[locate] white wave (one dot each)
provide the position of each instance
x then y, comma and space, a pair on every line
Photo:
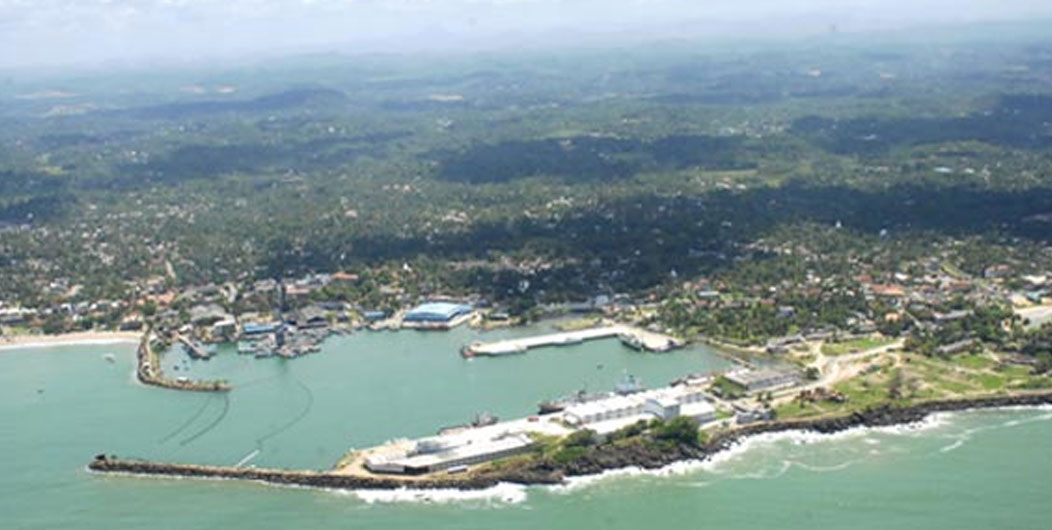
1024, 421
929, 423
716, 462
503, 493
764, 474
576, 483
822, 469
1044, 407
956, 444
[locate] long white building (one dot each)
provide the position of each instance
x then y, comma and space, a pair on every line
444, 452
607, 415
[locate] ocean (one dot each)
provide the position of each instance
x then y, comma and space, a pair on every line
63, 405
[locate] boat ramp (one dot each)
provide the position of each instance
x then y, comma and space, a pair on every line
632, 337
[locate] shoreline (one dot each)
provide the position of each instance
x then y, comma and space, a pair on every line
82, 338
545, 473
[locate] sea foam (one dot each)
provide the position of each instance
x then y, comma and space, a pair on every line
503, 493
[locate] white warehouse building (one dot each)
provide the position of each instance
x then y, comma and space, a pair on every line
610, 414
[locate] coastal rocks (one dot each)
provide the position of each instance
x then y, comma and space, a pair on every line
636, 454
882, 416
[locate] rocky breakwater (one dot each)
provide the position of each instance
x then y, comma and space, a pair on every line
149, 372
313, 479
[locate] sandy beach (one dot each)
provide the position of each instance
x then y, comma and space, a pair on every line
13, 342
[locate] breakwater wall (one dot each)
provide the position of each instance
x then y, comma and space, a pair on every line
148, 371
313, 479
603, 458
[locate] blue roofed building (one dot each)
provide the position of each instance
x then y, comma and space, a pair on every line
437, 314
250, 329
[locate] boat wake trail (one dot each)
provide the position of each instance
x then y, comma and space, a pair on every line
254, 382
210, 426
188, 422
289, 424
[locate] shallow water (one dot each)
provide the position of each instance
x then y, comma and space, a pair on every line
62, 405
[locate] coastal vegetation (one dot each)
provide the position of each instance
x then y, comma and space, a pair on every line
548, 189
909, 378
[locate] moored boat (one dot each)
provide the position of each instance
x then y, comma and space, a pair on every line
632, 341
629, 385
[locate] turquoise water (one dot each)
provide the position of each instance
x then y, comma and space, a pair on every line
62, 405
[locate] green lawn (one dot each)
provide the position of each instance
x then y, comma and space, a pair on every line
851, 346
974, 362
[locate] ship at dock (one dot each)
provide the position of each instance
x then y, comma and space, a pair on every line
632, 341
629, 385
483, 419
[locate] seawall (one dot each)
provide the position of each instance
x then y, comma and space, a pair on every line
313, 479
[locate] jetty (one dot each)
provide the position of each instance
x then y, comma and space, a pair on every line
636, 338
193, 348
149, 372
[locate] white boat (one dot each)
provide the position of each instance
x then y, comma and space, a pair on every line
629, 385
632, 341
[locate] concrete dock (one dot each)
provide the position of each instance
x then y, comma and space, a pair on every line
637, 338
194, 349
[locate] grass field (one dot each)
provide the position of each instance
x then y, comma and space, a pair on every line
856, 345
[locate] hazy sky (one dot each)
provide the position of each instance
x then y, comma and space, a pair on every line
49, 32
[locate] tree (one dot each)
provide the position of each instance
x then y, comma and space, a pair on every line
1044, 362
681, 429
581, 438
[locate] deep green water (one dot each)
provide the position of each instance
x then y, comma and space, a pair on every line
60, 406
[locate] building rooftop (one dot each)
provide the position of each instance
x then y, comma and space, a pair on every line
663, 396
456, 450
437, 311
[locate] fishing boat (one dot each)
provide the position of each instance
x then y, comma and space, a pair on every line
632, 341
559, 405
468, 351
569, 340
484, 419
629, 385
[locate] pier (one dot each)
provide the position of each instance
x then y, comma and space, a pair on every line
148, 371
636, 338
193, 348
